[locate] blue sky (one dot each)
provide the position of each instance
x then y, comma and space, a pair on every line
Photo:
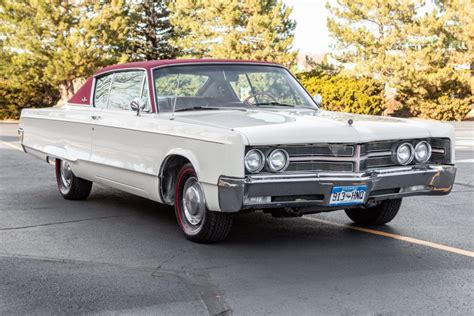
311, 34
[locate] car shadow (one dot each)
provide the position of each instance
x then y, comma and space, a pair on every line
257, 238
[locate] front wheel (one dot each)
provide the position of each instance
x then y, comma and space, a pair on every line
70, 186
376, 215
196, 221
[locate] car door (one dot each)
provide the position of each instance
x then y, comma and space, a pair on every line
120, 143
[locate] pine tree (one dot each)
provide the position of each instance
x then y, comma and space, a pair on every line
412, 46
64, 39
151, 31
370, 33
260, 30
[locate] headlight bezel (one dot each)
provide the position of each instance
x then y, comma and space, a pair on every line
270, 165
428, 156
262, 160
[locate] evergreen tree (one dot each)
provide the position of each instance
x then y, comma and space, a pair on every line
260, 30
65, 40
152, 31
412, 46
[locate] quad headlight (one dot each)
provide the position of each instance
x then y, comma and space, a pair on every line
404, 154
277, 160
422, 152
254, 160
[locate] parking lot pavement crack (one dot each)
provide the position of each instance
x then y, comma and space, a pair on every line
163, 262
464, 185
60, 223
211, 297
72, 261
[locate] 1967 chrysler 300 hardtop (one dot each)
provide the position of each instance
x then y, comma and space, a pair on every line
216, 137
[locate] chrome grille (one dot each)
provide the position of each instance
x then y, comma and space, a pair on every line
440, 154
335, 150
321, 166
353, 157
321, 158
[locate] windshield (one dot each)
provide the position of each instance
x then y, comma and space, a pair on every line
196, 87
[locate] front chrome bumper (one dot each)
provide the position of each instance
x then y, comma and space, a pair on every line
314, 190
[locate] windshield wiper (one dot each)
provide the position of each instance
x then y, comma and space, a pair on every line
273, 104
198, 108
283, 104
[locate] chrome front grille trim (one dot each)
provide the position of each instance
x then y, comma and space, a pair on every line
333, 166
357, 159
341, 158
319, 150
354, 158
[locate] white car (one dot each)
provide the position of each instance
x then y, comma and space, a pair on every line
217, 137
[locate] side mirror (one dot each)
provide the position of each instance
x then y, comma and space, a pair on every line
137, 105
318, 99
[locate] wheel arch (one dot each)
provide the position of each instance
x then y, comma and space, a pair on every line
169, 169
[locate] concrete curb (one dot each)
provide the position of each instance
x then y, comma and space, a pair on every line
9, 121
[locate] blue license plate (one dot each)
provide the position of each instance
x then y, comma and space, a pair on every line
348, 195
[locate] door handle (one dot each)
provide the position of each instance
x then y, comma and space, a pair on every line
96, 117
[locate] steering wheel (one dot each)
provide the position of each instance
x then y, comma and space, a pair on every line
259, 93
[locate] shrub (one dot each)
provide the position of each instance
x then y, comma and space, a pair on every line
446, 109
441, 95
346, 94
18, 93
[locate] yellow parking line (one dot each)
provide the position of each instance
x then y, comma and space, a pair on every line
398, 237
11, 145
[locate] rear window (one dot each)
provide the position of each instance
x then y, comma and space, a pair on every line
101, 93
126, 86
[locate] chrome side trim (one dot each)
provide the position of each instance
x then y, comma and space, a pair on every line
118, 183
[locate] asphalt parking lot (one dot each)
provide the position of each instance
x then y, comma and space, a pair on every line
119, 254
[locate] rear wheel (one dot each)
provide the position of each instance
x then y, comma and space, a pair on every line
70, 186
196, 221
376, 215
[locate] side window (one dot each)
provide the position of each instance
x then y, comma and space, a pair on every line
101, 92
126, 86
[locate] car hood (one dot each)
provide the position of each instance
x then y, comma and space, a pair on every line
301, 126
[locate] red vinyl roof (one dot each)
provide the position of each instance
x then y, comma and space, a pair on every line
84, 93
